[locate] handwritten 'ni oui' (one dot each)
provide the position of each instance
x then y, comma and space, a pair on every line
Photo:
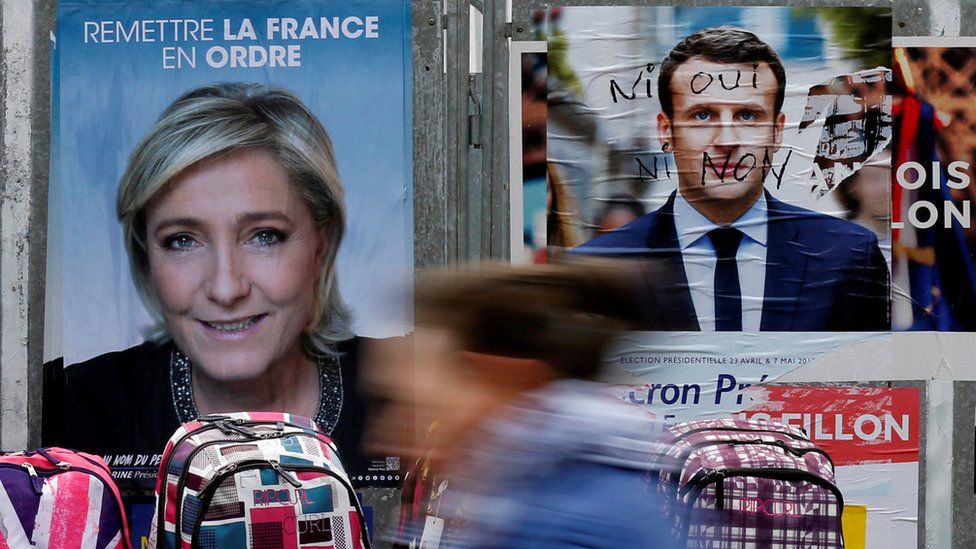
700, 82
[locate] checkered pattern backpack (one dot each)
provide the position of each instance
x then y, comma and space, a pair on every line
254, 479
736, 483
60, 498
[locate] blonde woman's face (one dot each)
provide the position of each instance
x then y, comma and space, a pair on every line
234, 258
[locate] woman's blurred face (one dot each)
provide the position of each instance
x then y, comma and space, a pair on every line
234, 258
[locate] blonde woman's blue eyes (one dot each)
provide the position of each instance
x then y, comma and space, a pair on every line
183, 242
268, 237
179, 242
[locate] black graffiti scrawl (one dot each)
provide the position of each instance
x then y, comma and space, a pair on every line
856, 110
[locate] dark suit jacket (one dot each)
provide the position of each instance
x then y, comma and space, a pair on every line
822, 273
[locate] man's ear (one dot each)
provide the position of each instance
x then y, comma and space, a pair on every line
778, 126
507, 373
664, 131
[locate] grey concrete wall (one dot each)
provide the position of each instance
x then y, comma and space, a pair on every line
963, 496
24, 89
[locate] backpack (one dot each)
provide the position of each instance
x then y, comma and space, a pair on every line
736, 483
54, 497
254, 479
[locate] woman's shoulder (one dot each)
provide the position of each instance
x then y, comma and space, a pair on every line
142, 364
116, 402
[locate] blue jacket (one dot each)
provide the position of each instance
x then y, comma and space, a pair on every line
566, 466
822, 273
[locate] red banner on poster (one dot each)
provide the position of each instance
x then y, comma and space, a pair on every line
854, 425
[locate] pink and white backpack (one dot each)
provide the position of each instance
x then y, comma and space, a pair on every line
735, 483
54, 497
254, 479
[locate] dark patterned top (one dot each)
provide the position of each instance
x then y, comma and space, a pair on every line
330, 390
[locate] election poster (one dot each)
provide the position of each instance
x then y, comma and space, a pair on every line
740, 159
934, 241
711, 144
231, 215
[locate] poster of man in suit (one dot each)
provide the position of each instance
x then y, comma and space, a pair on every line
733, 127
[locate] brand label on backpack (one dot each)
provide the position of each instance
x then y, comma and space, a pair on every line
282, 496
769, 507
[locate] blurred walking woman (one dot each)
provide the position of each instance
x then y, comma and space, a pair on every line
232, 214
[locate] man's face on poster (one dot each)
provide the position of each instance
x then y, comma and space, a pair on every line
720, 137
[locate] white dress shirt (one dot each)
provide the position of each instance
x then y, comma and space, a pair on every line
700, 259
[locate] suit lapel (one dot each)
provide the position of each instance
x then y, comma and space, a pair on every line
664, 273
785, 269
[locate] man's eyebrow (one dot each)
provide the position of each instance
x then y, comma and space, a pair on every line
707, 103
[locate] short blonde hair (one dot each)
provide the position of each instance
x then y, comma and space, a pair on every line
219, 118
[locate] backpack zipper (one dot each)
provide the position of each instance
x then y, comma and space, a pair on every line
32, 473
206, 495
775, 474
797, 452
738, 429
682, 436
787, 449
